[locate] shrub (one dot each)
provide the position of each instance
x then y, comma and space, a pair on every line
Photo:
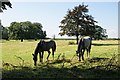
71, 43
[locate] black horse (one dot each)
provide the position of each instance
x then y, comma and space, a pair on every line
84, 43
44, 46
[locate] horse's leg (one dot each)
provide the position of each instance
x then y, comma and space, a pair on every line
48, 55
89, 48
87, 53
42, 55
79, 56
53, 53
83, 54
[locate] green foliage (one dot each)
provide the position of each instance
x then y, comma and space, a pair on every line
5, 33
100, 33
77, 22
24, 30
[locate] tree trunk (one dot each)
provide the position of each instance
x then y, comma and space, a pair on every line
77, 33
77, 39
35, 39
21, 40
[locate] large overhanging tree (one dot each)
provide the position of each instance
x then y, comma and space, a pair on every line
77, 22
3, 4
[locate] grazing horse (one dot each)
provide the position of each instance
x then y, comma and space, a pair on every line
44, 46
84, 44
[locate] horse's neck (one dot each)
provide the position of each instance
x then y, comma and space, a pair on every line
80, 44
36, 50
36, 53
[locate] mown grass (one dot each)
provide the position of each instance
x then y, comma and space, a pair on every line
18, 63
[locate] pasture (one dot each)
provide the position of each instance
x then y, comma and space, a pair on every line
17, 60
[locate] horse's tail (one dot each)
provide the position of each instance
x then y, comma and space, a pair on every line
54, 48
90, 44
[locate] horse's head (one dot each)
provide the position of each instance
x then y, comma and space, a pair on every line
77, 52
34, 59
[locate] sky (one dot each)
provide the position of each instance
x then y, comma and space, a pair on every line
49, 14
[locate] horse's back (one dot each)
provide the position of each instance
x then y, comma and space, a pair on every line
51, 43
87, 41
48, 44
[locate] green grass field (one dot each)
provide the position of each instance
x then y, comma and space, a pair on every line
17, 60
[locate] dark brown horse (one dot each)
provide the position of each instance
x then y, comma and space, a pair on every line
44, 46
84, 44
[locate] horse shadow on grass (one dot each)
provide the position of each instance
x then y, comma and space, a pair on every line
76, 70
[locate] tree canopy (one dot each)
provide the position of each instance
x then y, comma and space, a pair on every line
77, 22
4, 33
24, 30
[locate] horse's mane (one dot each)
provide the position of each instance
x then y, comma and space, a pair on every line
80, 44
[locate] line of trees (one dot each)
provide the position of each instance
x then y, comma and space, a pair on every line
23, 30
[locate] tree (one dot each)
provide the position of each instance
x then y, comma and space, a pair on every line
14, 31
37, 31
26, 30
78, 22
3, 4
5, 33
100, 33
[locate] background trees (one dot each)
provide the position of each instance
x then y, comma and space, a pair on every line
24, 30
100, 33
77, 22
5, 32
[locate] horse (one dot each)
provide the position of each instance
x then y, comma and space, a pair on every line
44, 46
84, 44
